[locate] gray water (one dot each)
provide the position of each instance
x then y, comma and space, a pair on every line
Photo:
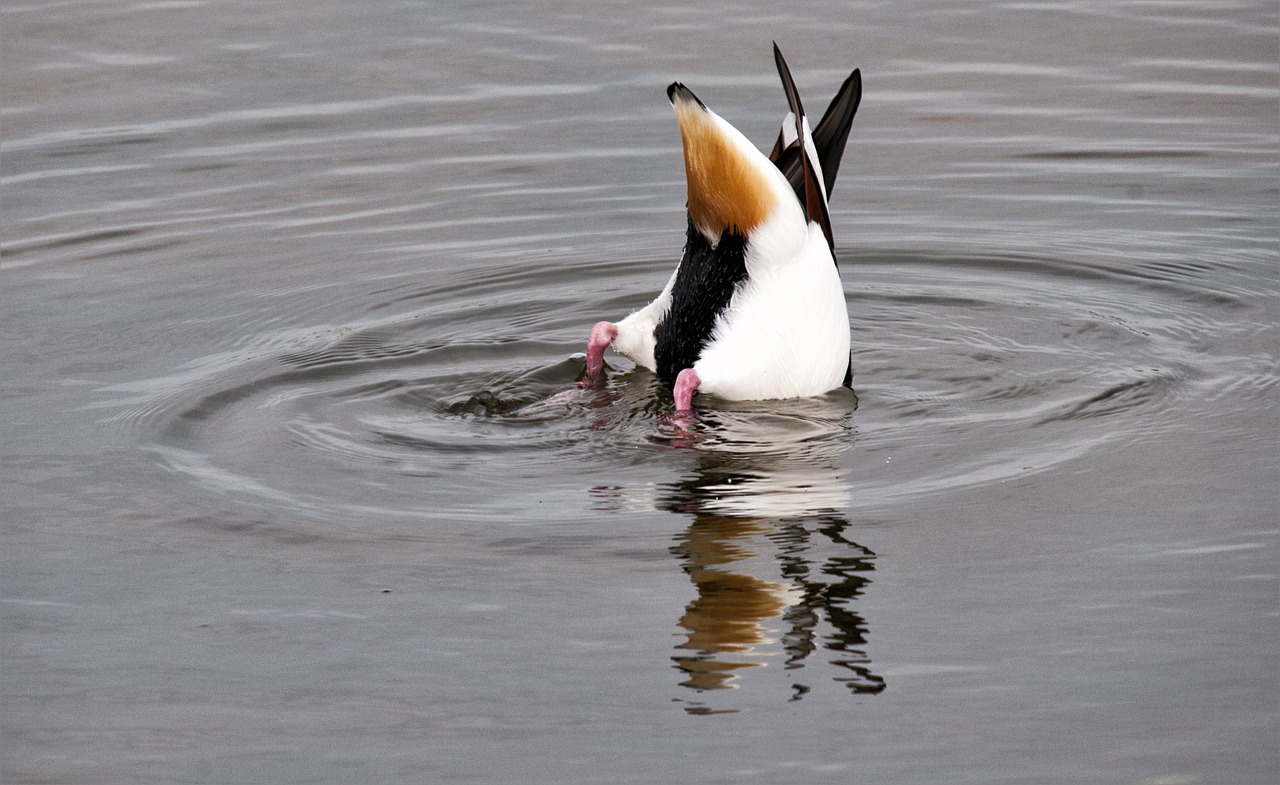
297, 487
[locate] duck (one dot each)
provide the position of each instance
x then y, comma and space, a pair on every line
755, 309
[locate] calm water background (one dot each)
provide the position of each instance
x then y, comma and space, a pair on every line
294, 491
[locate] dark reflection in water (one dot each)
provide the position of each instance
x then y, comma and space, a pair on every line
768, 554
730, 619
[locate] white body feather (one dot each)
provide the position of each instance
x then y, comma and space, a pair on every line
785, 334
635, 339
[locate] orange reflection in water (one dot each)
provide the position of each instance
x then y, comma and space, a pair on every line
728, 613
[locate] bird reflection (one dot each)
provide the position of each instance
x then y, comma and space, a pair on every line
766, 550
729, 618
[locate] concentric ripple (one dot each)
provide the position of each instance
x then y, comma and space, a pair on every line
968, 370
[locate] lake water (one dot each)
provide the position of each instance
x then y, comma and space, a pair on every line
297, 486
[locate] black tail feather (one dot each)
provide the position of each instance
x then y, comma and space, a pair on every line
812, 192
829, 137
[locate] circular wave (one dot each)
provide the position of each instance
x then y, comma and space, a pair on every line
967, 370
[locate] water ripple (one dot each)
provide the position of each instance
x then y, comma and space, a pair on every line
956, 359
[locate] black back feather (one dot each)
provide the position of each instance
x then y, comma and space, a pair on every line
705, 283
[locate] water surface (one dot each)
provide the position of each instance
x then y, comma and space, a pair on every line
300, 486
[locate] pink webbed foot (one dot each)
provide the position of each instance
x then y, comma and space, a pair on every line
682, 421
601, 336
686, 382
